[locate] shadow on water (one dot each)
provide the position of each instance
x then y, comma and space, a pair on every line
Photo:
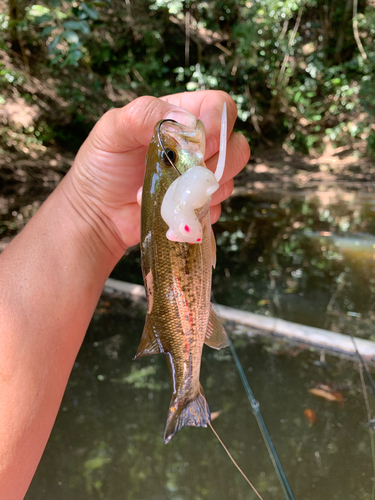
305, 257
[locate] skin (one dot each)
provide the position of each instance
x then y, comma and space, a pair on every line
53, 272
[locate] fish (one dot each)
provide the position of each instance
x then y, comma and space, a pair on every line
178, 252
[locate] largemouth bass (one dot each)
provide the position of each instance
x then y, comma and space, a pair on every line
177, 261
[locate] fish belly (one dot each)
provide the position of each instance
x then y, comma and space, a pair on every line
177, 279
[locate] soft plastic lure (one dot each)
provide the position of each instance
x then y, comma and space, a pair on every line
191, 191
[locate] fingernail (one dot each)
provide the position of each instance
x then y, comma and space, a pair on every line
181, 116
139, 196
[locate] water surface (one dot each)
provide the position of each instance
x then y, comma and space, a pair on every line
305, 257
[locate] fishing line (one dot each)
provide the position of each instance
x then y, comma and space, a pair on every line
279, 471
368, 410
235, 463
362, 362
363, 368
342, 283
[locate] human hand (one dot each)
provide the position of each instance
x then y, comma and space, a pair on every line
109, 168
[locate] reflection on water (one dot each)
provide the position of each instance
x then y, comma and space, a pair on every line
108, 439
304, 257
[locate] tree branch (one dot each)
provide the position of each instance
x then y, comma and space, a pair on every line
355, 31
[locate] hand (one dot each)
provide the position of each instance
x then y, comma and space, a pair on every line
109, 167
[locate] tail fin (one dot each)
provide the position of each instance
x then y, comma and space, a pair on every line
195, 413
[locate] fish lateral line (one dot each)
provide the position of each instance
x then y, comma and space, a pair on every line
234, 462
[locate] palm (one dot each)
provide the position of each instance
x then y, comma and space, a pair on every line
109, 168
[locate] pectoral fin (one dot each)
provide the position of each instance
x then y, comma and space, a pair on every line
213, 249
216, 336
150, 342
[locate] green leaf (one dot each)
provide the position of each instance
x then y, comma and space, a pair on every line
52, 46
75, 56
47, 30
78, 12
72, 58
71, 37
82, 26
43, 19
90, 11
38, 11
56, 58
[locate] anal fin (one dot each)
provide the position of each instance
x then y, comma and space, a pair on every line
216, 336
150, 342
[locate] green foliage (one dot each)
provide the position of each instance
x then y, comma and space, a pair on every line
293, 67
10, 76
65, 27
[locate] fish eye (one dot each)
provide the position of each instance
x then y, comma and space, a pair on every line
169, 156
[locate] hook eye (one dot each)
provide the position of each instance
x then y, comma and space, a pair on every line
168, 155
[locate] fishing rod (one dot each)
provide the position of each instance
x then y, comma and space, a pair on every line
279, 471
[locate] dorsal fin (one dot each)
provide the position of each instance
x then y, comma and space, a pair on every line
150, 342
216, 336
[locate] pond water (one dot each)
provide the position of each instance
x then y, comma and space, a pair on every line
305, 257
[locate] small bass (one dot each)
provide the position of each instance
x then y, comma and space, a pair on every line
178, 252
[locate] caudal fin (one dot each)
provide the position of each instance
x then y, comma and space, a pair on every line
195, 413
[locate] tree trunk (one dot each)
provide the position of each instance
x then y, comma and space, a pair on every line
14, 19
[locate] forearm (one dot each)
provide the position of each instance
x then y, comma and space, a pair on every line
51, 277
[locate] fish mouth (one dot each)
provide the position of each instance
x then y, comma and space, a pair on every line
187, 138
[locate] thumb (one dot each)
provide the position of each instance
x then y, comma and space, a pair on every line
124, 129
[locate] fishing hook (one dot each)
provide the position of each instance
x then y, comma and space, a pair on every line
162, 145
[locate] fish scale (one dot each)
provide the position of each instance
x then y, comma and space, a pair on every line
177, 279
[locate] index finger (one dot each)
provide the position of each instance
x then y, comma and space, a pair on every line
207, 105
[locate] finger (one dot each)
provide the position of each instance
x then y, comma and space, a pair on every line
215, 212
125, 129
139, 196
238, 154
207, 105
224, 191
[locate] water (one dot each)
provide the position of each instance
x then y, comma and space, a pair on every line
306, 257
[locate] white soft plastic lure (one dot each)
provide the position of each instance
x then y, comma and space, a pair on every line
190, 191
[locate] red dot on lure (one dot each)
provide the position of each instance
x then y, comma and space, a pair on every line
198, 239
187, 228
